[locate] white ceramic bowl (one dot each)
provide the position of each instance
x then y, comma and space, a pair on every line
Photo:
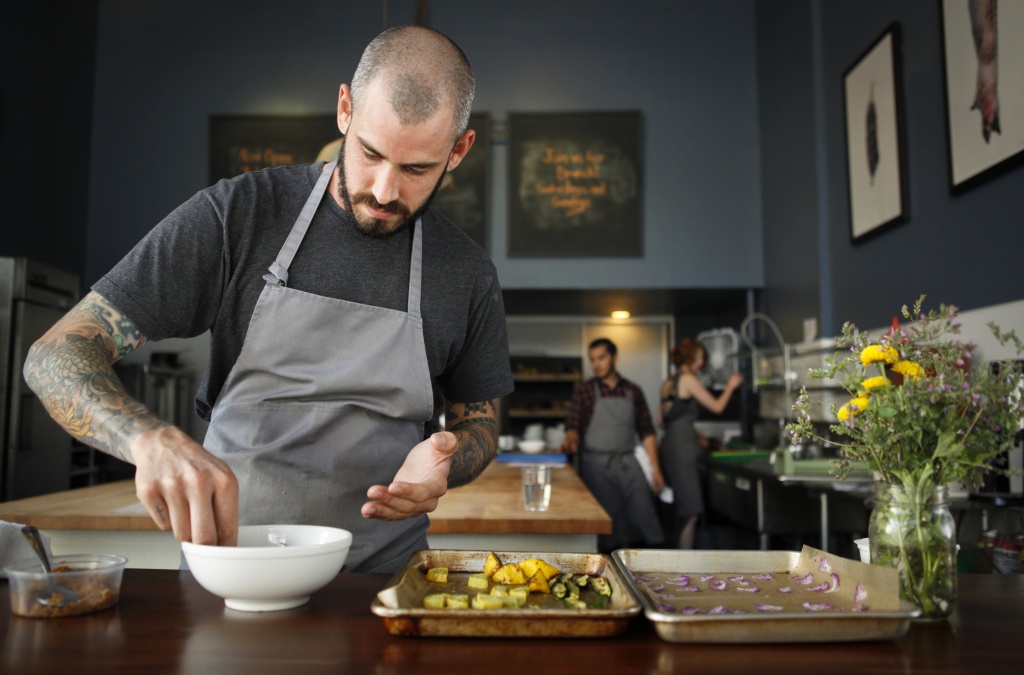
532, 447
273, 567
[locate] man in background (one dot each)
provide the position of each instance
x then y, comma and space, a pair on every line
609, 413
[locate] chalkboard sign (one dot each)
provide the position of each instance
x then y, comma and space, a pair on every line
575, 184
241, 143
464, 196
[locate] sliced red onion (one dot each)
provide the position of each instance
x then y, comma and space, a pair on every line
835, 583
764, 576
761, 607
744, 582
755, 589
823, 586
860, 593
691, 610
735, 578
786, 589
805, 580
707, 577
824, 566
665, 607
690, 589
817, 606
682, 580
741, 611
658, 588
719, 609
717, 585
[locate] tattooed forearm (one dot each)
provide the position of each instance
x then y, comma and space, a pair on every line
125, 335
476, 427
70, 371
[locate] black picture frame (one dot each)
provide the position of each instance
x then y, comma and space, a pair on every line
241, 143
575, 184
875, 138
465, 195
986, 132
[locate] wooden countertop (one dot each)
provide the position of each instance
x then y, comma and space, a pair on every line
165, 622
492, 504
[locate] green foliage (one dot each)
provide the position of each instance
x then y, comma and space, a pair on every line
948, 423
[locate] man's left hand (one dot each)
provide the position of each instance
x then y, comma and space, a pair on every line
422, 480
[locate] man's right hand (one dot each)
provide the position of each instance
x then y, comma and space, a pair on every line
571, 443
185, 488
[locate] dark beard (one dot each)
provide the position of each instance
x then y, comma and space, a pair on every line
379, 229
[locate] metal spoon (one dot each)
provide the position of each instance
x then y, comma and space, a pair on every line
54, 595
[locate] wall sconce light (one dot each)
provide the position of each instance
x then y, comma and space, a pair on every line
620, 314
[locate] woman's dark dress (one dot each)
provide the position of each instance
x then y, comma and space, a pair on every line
678, 455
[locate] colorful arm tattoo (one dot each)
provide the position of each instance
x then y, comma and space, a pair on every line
70, 370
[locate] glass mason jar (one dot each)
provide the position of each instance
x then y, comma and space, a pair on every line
913, 531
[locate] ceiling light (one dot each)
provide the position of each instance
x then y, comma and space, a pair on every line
620, 314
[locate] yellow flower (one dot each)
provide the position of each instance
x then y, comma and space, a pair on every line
874, 353
908, 369
854, 407
872, 382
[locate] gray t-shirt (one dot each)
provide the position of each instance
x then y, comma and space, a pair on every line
202, 268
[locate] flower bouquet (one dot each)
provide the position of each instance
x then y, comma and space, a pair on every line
920, 416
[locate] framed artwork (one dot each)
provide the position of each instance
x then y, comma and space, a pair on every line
241, 143
464, 196
876, 164
984, 81
575, 184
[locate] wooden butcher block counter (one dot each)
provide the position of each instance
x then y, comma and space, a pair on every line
486, 514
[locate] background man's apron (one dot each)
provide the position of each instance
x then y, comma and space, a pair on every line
326, 399
610, 471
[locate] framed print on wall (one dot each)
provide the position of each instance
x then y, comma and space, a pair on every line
983, 61
575, 184
876, 165
241, 143
464, 195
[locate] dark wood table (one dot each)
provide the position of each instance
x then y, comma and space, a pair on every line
166, 622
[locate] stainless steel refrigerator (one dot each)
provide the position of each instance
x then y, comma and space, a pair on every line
37, 453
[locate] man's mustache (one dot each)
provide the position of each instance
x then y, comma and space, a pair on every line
394, 207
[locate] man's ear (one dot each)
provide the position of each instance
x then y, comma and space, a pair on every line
462, 146
344, 108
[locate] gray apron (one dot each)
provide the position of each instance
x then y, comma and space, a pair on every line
327, 398
611, 472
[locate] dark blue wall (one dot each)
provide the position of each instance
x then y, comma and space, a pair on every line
745, 171
164, 67
47, 51
963, 249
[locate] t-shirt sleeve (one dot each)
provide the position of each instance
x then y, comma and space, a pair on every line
171, 282
482, 370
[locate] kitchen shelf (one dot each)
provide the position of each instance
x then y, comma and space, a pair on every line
544, 389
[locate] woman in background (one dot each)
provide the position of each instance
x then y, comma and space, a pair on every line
681, 444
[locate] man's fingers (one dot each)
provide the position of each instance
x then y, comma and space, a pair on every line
444, 441
225, 511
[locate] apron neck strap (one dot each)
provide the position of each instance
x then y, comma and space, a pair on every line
416, 269
278, 273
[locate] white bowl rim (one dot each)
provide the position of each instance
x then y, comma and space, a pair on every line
343, 542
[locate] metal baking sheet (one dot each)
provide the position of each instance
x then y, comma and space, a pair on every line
400, 603
793, 624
